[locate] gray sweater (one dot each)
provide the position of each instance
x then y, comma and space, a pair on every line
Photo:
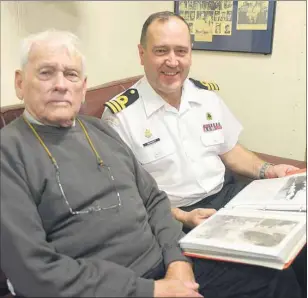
47, 251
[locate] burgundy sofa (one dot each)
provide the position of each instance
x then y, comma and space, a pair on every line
95, 98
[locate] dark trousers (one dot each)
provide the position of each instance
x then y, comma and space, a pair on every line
231, 280
233, 184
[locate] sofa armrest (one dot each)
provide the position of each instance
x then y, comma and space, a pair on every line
281, 160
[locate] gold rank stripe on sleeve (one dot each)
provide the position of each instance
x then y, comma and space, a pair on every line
122, 101
111, 106
211, 86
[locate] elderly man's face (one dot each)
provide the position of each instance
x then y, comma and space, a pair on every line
52, 84
167, 56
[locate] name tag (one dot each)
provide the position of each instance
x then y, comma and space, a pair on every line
151, 142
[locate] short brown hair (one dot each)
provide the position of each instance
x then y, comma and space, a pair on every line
162, 16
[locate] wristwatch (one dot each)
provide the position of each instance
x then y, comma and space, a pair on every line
263, 169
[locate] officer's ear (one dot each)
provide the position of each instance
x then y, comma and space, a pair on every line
141, 51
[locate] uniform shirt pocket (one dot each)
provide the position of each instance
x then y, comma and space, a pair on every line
212, 138
155, 152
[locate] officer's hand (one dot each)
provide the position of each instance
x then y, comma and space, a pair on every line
175, 288
275, 171
197, 216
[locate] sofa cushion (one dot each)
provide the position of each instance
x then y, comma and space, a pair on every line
10, 113
97, 96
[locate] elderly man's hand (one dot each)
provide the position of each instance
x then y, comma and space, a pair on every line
276, 171
197, 216
180, 270
179, 281
175, 288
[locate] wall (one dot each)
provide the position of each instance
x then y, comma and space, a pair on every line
267, 93
110, 32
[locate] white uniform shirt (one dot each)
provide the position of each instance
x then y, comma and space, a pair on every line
179, 148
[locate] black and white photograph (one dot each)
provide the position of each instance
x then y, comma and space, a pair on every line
252, 15
294, 189
256, 231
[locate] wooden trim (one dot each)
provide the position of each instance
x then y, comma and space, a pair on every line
282, 160
101, 86
115, 83
12, 107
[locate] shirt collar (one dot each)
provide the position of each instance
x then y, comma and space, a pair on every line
153, 102
31, 119
191, 92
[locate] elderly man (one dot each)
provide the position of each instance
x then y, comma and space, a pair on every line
181, 132
79, 216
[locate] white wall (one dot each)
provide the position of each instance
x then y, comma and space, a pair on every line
267, 93
109, 30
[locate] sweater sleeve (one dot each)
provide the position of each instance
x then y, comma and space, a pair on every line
33, 265
166, 229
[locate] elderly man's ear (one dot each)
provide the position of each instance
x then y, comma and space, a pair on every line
18, 84
85, 82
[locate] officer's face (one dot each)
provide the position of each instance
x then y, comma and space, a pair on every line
167, 55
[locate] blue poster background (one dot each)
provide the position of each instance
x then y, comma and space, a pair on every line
252, 41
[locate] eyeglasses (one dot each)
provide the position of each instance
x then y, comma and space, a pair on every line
95, 207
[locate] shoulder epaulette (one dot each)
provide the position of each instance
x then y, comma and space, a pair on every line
122, 101
205, 85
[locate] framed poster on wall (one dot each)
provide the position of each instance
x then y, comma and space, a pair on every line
226, 25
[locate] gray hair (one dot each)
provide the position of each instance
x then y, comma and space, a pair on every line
59, 38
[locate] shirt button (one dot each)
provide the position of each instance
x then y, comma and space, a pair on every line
189, 156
